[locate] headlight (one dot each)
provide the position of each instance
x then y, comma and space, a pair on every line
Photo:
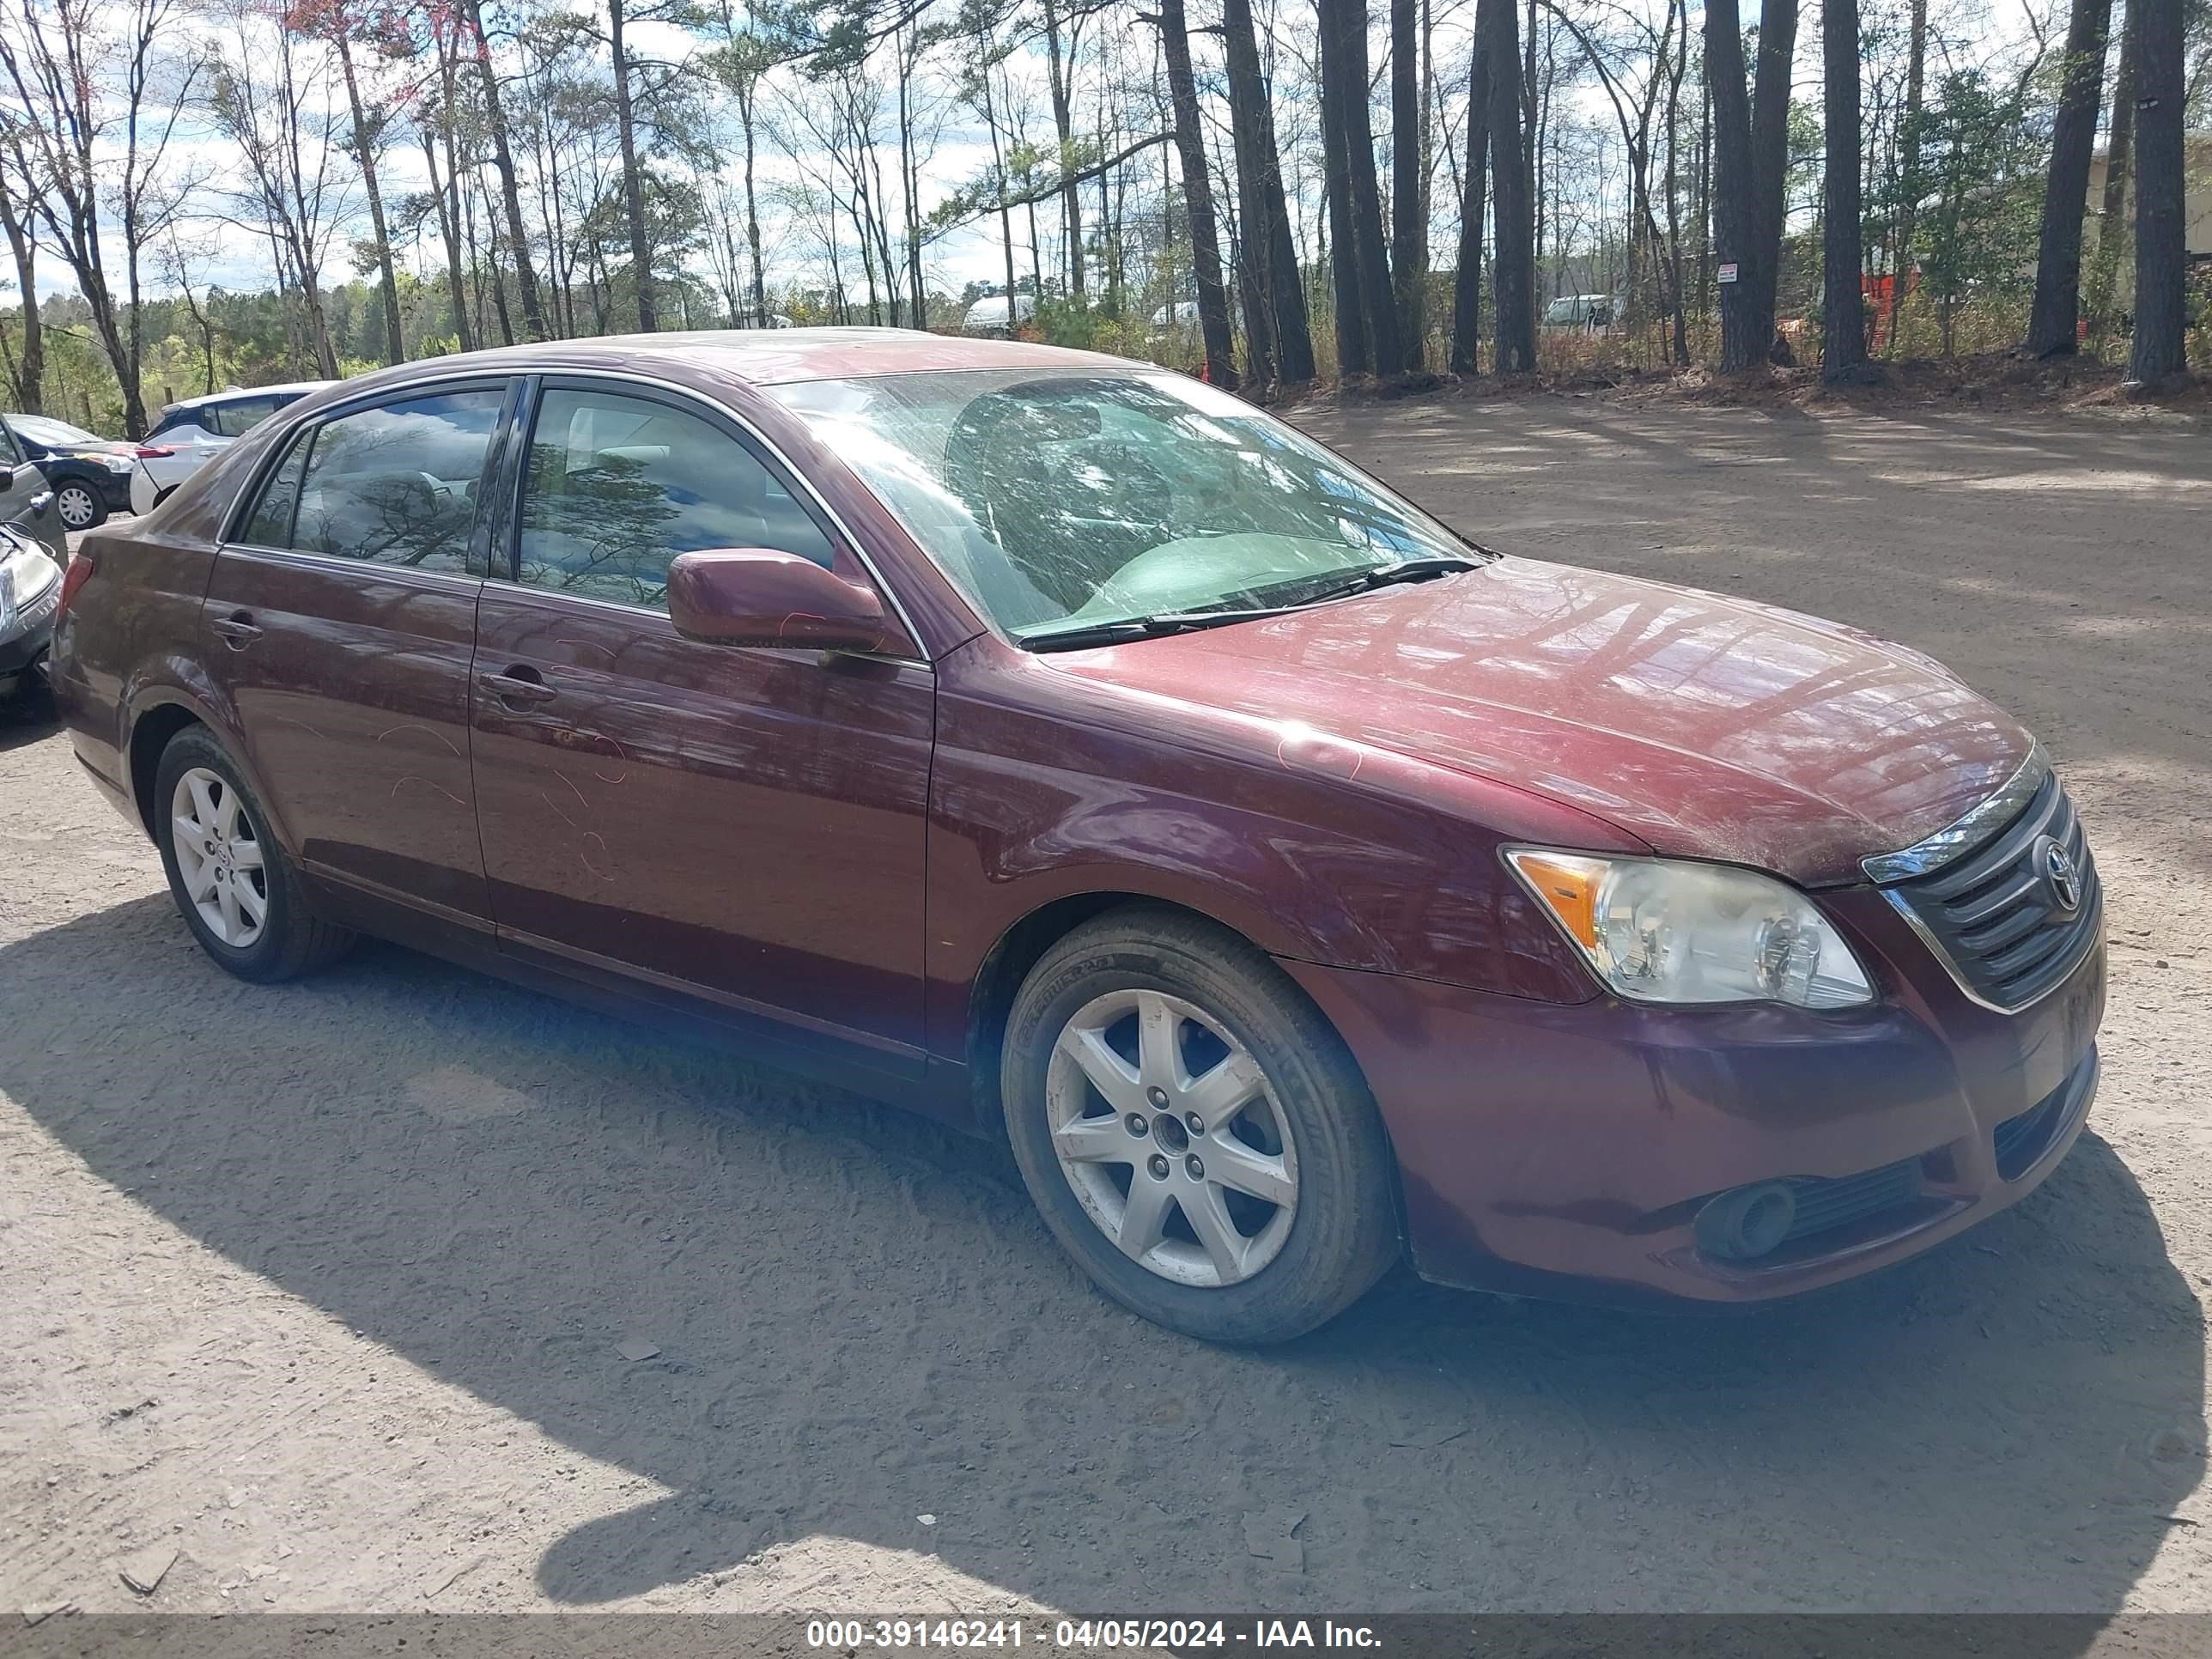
1658, 930
119, 463
24, 575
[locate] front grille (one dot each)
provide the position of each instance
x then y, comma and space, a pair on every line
1993, 915
1825, 1203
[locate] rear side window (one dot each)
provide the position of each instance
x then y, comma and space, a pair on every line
396, 484
176, 420
270, 524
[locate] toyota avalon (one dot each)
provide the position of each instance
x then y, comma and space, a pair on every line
1062, 747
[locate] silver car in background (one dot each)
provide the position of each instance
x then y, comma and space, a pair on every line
191, 432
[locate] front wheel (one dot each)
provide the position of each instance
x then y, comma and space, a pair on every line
1193, 1131
80, 506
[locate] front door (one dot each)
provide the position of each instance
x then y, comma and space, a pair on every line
343, 622
27, 500
744, 825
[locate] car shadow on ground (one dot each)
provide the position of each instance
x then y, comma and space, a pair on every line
26, 717
860, 1323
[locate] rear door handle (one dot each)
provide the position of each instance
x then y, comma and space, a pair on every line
518, 684
237, 629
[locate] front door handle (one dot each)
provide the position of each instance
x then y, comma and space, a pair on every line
237, 629
518, 684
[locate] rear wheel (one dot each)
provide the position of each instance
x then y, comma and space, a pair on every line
234, 887
80, 505
1194, 1133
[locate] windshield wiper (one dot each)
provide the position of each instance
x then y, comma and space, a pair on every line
1146, 627
1420, 569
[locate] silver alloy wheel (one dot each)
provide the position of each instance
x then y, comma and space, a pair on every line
1191, 1173
219, 857
75, 505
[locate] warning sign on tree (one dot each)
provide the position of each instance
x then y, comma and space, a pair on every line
1728, 271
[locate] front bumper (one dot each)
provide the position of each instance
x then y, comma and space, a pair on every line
1564, 1150
115, 490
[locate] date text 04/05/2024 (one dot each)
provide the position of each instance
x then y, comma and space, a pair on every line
1086, 1634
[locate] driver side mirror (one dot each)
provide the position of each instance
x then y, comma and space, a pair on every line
755, 596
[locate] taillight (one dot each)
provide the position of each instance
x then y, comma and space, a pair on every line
153, 451
78, 574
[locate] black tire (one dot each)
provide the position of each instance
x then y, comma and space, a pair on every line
1344, 1231
293, 940
87, 501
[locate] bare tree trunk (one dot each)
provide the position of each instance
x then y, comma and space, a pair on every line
387, 283
502, 157
1674, 74
1063, 121
1198, 198
1908, 214
28, 373
1513, 208
1374, 315
1386, 346
1409, 219
1466, 282
2111, 214
1263, 206
450, 233
1770, 154
1843, 322
640, 245
498, 284
1354, 354
1737, 220
909, 189
752, 212
1005, 215
2161, 256
2055, 320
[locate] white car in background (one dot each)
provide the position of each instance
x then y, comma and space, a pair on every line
191, 432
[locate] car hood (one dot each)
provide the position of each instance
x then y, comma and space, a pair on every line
1704, 726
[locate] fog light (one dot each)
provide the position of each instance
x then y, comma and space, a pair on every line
1746, 1223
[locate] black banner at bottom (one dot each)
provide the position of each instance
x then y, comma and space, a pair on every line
65, 1634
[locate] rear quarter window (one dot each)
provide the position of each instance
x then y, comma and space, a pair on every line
176, 420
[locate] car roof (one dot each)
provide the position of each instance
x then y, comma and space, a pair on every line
229, 394
774, 356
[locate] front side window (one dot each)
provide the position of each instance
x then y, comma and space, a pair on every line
617, 486
11, 451
1058, 500
396, 484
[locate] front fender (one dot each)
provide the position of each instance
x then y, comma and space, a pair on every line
1316, 850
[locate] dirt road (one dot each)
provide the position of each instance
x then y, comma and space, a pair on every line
324, 1288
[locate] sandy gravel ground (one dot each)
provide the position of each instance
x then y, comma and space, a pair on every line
315, 1298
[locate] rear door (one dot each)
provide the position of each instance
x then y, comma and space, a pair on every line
343, 621
744, 825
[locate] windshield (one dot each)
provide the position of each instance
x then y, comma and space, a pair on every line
41, 429
1061, 500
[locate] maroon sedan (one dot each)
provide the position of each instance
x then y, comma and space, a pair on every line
1062, 747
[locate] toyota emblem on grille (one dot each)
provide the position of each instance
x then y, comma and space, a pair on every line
2055, 865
